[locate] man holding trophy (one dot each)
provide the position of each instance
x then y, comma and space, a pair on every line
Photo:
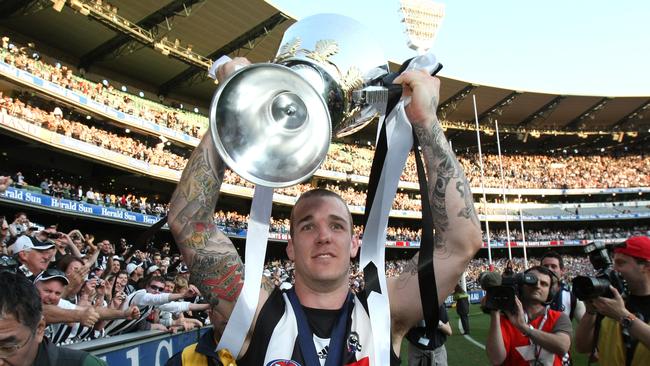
320, 321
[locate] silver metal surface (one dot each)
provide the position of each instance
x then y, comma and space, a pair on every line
270, 125
338, 56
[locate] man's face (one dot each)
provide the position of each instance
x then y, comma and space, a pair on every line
50, 291
155, 287
106, 247
538, 292
37, 260
634, 273
322, 243
554, 265
18, 344
157, 260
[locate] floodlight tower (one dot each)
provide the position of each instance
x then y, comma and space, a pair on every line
421, 19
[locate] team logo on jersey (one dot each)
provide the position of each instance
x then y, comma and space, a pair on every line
283, 363
353, 342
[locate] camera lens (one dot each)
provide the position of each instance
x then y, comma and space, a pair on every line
586, 288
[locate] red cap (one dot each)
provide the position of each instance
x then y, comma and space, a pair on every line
636, 246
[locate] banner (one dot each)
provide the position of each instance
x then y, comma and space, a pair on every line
81, 207
475, 297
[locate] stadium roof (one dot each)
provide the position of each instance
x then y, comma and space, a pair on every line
78, 36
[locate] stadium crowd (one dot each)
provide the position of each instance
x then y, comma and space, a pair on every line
52, 183
26, 58
554, 170
236, 223
103, 274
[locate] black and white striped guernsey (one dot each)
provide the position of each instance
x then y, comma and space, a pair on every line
274, 339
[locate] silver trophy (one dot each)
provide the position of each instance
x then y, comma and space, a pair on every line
272, 123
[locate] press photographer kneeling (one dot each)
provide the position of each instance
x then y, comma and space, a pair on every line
523, 328
615, 326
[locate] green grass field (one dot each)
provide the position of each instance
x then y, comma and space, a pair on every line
461, 351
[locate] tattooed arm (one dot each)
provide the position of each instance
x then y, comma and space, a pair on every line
215, 266
457, 230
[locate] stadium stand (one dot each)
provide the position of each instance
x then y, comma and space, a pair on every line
95, 164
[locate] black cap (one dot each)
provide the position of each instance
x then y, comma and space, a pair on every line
51, 274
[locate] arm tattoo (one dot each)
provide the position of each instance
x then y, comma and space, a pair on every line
468, 211
218, 275
215, 266
267, 285
411, 267
193, 202
409, 272
443, 167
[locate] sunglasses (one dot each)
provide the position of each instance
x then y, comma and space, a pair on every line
157, 288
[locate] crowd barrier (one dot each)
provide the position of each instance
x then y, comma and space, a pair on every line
146, 348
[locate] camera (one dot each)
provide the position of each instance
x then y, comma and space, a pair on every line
502, 296
591, 287
8, 264
54, 235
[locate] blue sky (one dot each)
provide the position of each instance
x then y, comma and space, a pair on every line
580, 47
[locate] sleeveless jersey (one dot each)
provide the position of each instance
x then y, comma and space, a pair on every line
274, 339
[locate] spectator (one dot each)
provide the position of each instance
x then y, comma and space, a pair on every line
33, 254
149, 298
22, 322
135, 272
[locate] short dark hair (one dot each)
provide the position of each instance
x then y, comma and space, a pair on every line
154, 279
319, 192
553, 254
20, 299
545, 271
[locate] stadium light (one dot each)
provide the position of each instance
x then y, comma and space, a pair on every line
58, 5
421, 19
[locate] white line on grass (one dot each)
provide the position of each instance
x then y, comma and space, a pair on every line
469, 338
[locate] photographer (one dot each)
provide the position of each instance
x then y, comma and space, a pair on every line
532, 331
564, 300
619, 327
